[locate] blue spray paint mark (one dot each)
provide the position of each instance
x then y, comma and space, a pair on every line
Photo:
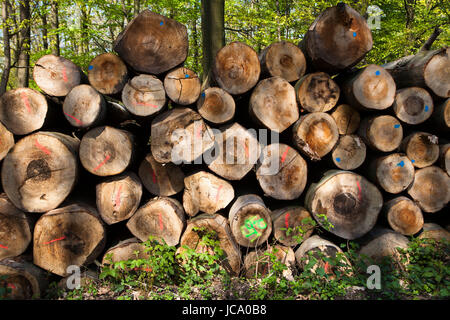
91, 67
161, 23
186, 76
426, 108
338, 159
396, 126
354, 34
203, 94
377, 73
413, 160
401, 164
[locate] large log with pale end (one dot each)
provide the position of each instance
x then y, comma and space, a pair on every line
118, 197
350, 202
315, 134
71, 235
106, 151
84, 106
381, 243
236, 68
403, 215
144, 95
382, 133
338, 39
180, 135
56, 76
152, 43
23, 110
216, 105
349, 152
282, 172
394, 172
161, 180
250, 221
283, 59
430, 189
162, 218
292, 225
205, 192
182, 86
107, 73
40, 171
413, 105
317, 92
273, 104
427, 69
347, 119
15, 229
218, 224
422, 148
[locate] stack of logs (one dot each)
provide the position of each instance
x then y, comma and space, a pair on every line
96, 164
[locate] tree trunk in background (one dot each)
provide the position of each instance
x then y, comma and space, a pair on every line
54, 23
23, 73
137, 7
6, 49
44, 32
85, 13
213, 33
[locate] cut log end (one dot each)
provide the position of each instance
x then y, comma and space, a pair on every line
347, 119
317, 92
436, 73
422, 148
413, 105
182, 86
394, 172
404, 216
349, 153
383, 133
107, 73
216, 105
292, 225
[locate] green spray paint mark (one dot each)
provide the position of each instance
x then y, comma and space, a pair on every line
249, 228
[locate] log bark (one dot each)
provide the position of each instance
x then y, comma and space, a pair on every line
441, 116
315, 134
283, 59
107, 73
350, 202
84, 107
6, 141
394, 172
217, 223
338, 39
180, 135
347, 119
144, 95
161, 180
250, 221
162, 218
216, 105
317, 92
430, 189
106, 151
24, 279
371, 88
434, 231
273, 104
124, 251
71, 235
23, 110
349, 152
282, 172
152, 43
236, 152
15, 229
118, 197
382, 243
422, 148
259, 264
236, 68
403, 215
56, 76
428, 68
413, 105
444, 154
182, 86
382, 133
292, 225
205, 192
40, 171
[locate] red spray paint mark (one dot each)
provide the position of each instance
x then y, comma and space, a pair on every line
359, 188
327, 267
283, 156
102, 163
145, 104
62, 238
161, 226
118, 196
218, 192
153, 176
64, 74
12, 286
143, 269
246, 149
3, 247
77, 120
286, 219
25, 100
41, 147
199, 130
